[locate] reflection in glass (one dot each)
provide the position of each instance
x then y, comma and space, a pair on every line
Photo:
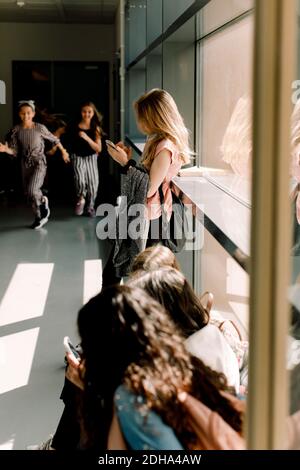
236, 147
293, 340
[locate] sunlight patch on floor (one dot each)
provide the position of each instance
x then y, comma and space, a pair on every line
92, 278
17, 353
27, 292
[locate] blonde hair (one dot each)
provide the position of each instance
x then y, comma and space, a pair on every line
157, 111
236, 148
154, 257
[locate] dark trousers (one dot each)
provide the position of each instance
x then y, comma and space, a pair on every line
109, 274
67, 434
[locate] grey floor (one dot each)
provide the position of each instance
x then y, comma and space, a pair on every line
28, 413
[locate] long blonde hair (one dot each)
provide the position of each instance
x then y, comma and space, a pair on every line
157, 111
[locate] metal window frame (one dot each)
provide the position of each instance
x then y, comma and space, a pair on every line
274, 58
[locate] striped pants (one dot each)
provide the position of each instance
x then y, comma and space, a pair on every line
86, 177
33, 179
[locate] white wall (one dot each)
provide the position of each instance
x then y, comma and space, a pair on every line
26, 41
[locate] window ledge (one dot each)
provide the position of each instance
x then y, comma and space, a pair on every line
225, 213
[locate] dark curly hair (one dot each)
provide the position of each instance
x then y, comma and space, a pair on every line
128, 337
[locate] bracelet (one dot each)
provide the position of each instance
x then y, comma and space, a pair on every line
130, 163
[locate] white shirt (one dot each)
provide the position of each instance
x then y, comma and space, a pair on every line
209, 345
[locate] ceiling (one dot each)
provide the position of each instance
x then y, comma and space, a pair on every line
59, 11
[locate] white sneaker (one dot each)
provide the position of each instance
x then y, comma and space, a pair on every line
44, 209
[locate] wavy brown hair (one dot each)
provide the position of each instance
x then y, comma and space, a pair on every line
154, 257
127, 337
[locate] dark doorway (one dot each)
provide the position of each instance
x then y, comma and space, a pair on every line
60, 87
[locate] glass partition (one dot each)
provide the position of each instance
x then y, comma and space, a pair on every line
154, 69
179, 70
154, 19
136, 82
218, 12
136, 26
224, 136
172, 9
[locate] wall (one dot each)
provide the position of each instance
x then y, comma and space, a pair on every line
25, 41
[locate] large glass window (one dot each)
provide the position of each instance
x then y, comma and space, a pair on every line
172, 9
224, 136
136, 84
154, 68
154, 19
219, 12
179, 70
136, 26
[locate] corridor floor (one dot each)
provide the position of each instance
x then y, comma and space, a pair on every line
46, 276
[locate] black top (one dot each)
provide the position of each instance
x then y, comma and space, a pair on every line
78, 145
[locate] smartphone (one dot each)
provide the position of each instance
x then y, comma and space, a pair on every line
111, 144
70, 348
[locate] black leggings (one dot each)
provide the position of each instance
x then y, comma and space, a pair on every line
67, 434
109, 275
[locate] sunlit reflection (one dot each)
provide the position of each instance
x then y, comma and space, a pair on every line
17, 356
237, 282
241, 312
27, 292
8, 445
92, 278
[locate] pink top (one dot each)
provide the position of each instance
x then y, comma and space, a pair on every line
153, 203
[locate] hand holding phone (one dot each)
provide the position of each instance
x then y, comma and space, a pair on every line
111, 144
70, 348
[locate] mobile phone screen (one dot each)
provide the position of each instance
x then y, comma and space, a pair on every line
111, 144
70, 348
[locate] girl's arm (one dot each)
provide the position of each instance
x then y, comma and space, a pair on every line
64, 153
52, 151
6, 149
13, 147
46, 134
158, 171
94, 144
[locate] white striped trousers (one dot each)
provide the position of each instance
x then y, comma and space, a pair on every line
86, 177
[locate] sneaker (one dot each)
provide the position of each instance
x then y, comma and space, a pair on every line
91, 212
79, 207
43, 446
38, 223
44, 209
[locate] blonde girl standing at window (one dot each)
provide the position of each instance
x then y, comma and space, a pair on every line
166, 150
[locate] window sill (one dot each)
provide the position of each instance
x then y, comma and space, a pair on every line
225, 213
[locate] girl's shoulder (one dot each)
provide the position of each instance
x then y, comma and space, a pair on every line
39, 126
165, 144
13, 131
